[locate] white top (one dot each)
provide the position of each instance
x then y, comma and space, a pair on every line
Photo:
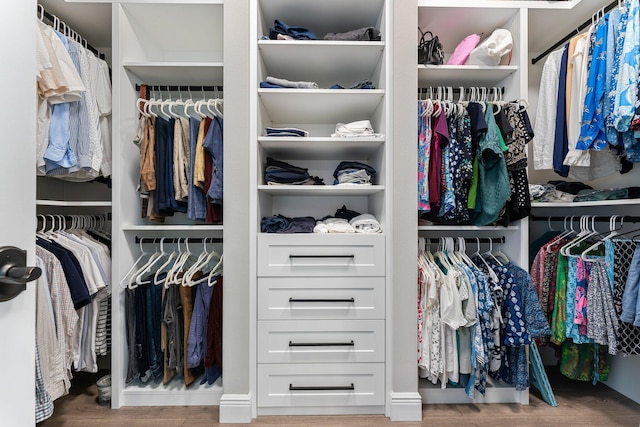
545, 124
578, 89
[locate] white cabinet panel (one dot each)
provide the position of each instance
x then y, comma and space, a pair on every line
320, 341
321, 255
321, 385
321, 298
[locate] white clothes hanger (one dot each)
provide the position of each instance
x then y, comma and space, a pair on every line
613, 231
125, 279
149, 266
492, 274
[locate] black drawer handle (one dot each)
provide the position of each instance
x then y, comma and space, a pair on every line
322, 300
317, 388
323, 256
321, 344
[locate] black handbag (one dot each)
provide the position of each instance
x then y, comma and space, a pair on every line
429, 49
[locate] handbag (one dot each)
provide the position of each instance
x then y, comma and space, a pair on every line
491, 50
429, 49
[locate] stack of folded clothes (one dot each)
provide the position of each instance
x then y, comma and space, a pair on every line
283, 224
276, 83
281, 173
280, 132
363, 84
360, 128
281, 31
333, 225
353, 173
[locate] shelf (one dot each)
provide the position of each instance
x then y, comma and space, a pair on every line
463, 75
498, 4
320, 190
177, 73
96, 203
172, 394
203, 227
452, 25
320, 106
454, 227
324, 16
320, 148
434, 394
324, 62
601, 203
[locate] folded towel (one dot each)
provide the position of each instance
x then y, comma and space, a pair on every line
291, 84
360, 128
366, 223
333, 225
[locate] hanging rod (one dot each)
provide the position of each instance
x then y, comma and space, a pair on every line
501, 239
425, 90
169, 88
575, 32
598, 218
53, 18
176, 240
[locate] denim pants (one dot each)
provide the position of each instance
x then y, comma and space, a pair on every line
630, 298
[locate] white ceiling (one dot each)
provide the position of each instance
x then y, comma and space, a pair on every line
92, 21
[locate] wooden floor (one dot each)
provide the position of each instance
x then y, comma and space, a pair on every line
579, 404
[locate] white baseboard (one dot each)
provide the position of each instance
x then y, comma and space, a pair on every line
235, 408
406, 407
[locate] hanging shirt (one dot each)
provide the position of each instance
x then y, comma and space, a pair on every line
626, 88
544, 130
561, 142
424, 150
440, 139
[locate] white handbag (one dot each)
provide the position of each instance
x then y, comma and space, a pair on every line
492, 49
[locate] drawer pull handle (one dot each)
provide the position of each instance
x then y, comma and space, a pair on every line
319, 388
323, 256
321, 344
322, 300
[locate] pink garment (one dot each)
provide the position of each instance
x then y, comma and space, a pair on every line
464, 48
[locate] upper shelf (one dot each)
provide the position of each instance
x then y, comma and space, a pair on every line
324, 62
324, 16
170, 32
322, 106
320, 148
177, 73
600, 203
463, 75
320, 190
501, 4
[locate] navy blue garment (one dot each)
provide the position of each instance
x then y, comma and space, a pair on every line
160, 204
561, 140
267, 85
213, 143
344, 165
197, 204
130, 327
284, 173
298, 33
141, 346
273, 224
153, 300
363, 84
72, 272
345, 213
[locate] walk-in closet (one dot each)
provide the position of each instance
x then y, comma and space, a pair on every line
320, 210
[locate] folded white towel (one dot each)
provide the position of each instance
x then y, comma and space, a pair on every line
366, 223
292, 84
333, 225
360, 128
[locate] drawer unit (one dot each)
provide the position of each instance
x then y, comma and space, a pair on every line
321, 255
332, 384
300, 298
311, 341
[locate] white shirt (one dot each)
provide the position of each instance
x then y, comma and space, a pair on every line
545, 124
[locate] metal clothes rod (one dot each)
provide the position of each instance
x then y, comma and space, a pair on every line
425, 90
598, 218
181, 87
52, 19
501, 239
575, 32
175, 240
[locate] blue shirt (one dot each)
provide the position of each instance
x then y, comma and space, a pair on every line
197, 204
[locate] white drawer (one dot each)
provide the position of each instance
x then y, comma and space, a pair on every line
309, 341
321, 255
334, 384
321, 298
